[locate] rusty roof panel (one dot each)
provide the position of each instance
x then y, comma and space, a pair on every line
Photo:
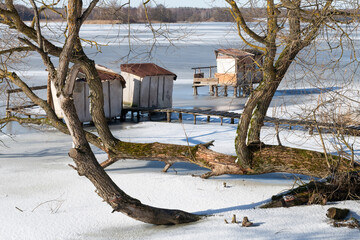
145, 69
106, 74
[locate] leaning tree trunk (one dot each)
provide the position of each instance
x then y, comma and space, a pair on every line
248, 132
97, 103
259, 113
87, 165
248, 120
252, 119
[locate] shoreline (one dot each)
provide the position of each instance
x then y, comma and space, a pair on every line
140, 22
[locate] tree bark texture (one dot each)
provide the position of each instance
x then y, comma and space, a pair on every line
267, 159
274, 69
338, 187
87, 165
97, 104
252, 159
70, 52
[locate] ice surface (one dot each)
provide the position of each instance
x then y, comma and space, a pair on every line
42, 198
56, 203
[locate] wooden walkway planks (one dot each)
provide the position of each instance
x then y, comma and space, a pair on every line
23, 108
311, 125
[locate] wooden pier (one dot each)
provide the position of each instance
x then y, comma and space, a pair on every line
208, 113
277, 122
22, 109
214, 85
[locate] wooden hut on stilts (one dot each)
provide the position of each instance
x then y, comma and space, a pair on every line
148, 85
112, 84
237, 68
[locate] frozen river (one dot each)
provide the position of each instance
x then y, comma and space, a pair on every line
179, 47
42, 198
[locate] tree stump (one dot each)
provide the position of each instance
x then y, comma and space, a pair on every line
337, 213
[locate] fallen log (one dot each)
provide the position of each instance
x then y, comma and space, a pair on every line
266, 159
337, 187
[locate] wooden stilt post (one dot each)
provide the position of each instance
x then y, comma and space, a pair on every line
180, 117
235, 91
132, 115
221, 121
231, 120
195, 91
216, 91
168, 116
225, 90
211, 89
208, 119
194, 118
138, 116
122, 114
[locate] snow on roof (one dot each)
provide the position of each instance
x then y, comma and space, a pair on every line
237, 53
145, 69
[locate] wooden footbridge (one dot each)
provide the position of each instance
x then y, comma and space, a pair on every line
23, 108
208, 113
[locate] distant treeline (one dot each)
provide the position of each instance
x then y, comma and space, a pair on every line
159, 14
156, 14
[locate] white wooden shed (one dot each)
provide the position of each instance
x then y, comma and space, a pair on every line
113, 85
238, 67
148, 85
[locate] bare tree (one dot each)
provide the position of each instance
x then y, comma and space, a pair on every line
30, 38
71, 51
290, 27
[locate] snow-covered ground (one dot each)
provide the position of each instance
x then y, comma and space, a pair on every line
41, 197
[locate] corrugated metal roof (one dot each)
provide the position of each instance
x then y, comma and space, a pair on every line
107, 74
237, 53
145, 69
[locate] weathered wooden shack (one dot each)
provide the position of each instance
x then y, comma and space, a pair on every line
237, 67
113, 85
148, 85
